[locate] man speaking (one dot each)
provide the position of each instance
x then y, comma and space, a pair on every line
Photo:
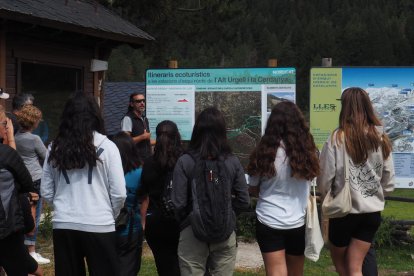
136, 124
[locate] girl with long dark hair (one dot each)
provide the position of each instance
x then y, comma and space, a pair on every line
208, 145
281, 168
161, 231
84, 180
361, 140
129, 240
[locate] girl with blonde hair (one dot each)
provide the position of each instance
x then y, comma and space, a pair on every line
33, 152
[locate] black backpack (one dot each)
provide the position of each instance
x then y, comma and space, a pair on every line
165, 205
212, 218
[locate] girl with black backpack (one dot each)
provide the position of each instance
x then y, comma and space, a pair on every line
209, 186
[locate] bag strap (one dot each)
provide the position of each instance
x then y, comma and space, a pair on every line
313, 184
346, 161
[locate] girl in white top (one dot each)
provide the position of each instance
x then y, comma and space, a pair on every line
281, 168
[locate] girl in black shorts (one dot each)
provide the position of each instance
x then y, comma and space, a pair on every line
370, 168
280, 169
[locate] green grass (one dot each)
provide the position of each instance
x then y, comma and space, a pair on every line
148, 267
409, 193
391, 261
395, 259
400, 210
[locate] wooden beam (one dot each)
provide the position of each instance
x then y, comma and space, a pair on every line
173, 64
272, 62
96, 84
2, 61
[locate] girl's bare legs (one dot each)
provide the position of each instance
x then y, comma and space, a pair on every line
355, 255
275, 263
338, 255
295, 265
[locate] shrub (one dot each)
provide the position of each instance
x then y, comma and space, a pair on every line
46, 226
384, 236
246, 226
246, 223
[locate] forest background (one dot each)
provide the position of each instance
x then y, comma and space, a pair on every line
246, 33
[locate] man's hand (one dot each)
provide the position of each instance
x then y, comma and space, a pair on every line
34, 197
8, 135
146, 135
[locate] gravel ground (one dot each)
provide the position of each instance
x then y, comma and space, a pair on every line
248, 255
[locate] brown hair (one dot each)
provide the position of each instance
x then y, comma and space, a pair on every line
2, 112
28, 116
357, 121
286, 127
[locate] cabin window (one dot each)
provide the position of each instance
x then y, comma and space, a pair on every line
51, 86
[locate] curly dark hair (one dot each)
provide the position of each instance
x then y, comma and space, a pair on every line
73, 146
168, 146
286, 127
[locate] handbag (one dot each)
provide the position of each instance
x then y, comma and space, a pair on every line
122, 220
28, 218
126, 216
313, 235
339, 205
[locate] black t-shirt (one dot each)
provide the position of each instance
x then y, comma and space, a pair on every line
152, 182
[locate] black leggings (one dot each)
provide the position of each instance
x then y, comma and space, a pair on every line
129, 252
162, 236
14, 256
72, 247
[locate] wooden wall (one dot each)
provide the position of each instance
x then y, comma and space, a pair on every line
56, 50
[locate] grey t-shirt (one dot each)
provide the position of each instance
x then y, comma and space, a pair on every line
126, 124
32, 150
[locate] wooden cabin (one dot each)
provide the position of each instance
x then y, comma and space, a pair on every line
52, 48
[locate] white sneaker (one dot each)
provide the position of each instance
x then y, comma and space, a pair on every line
39, 259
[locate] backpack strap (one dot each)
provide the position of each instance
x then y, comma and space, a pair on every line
65, 175
98, 153
90, 169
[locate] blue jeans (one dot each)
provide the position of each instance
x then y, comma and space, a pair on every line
31, 240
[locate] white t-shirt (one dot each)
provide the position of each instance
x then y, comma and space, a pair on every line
282, 199
126, 124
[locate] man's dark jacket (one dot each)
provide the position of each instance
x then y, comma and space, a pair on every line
139, 124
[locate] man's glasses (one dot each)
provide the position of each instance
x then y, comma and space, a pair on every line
139, 101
